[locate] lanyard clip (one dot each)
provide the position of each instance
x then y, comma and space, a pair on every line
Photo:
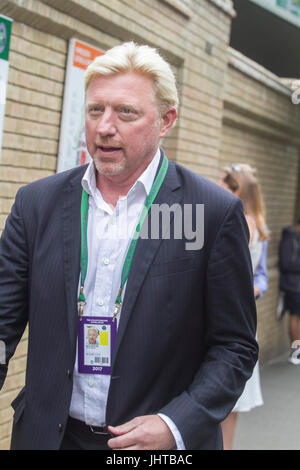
117, 306
118, 303
81, 301
81, 304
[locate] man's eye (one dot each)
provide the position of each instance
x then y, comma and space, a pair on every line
126, 110
94, 110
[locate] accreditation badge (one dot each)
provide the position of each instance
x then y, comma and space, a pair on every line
96, 341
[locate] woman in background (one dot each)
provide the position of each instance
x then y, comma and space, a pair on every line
240, 179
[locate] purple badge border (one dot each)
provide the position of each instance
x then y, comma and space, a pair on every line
82, 368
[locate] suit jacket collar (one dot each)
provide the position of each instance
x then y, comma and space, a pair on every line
71, 243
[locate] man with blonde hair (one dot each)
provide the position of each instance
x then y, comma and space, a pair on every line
176, 321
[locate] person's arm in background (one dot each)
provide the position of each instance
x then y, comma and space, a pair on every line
261, 273
289, 260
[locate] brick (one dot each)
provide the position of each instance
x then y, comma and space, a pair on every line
21, 350
5, 430
14, 382
6, 398
17, 158
2, 221
32, 113
28, 128
34, 82
5, 205
33, 98
37, 51
35, 36
29, 144
6, 415
36, 67
8, 189
5, 444
23, 175
17, 365
49, 162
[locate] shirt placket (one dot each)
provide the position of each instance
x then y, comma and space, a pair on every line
106, 245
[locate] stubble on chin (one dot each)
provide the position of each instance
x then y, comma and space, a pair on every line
109, 168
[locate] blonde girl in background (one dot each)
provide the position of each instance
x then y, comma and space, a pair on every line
241, 180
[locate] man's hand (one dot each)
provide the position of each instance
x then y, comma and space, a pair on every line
142, 433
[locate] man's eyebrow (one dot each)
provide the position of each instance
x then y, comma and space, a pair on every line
127, 105
92, 103
121, 104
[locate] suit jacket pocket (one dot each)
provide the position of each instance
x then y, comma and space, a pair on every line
18, 404
171, 267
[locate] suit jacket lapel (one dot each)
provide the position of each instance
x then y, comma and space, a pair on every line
169, 193
71, 244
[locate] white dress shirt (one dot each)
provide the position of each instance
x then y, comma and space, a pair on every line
110, 230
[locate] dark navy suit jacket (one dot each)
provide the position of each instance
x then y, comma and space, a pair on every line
186, 339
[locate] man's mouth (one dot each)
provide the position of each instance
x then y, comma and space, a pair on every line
108, 149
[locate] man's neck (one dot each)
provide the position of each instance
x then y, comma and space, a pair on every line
116, 186
111, 191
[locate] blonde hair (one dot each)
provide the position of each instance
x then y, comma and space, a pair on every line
242, 177
130, 57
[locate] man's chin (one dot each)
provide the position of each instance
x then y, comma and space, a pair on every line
109, 169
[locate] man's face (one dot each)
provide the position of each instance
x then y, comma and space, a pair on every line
92, 336
123, 125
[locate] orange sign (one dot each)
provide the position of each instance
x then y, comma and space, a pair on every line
84, 55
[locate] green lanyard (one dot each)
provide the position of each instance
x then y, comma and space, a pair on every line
130, 252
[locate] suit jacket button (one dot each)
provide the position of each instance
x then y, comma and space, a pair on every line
60, 427
69, 373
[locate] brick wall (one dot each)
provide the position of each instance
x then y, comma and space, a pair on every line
230, 109
33, 107
29, 151
192, 35
261, 127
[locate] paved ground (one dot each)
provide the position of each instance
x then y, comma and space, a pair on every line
276, 424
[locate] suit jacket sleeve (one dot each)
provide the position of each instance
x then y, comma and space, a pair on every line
13, 283
232, 350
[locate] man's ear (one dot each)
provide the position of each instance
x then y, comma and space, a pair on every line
167, 121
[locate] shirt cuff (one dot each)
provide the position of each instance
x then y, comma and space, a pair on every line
174, 430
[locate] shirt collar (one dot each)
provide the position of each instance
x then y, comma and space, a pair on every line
146, 179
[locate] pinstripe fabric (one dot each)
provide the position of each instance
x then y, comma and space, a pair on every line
186, 340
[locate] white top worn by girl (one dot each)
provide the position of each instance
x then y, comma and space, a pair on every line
252, 396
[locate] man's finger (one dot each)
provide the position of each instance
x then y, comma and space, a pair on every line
122, 441
123, 428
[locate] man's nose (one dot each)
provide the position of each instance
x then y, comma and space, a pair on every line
106, 124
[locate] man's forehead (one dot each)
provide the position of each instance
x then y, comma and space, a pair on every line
129, 84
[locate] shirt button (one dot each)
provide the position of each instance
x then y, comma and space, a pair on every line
91, 383
106, 261
100, 302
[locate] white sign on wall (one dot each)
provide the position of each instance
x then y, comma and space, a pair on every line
72, 146
5, 32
